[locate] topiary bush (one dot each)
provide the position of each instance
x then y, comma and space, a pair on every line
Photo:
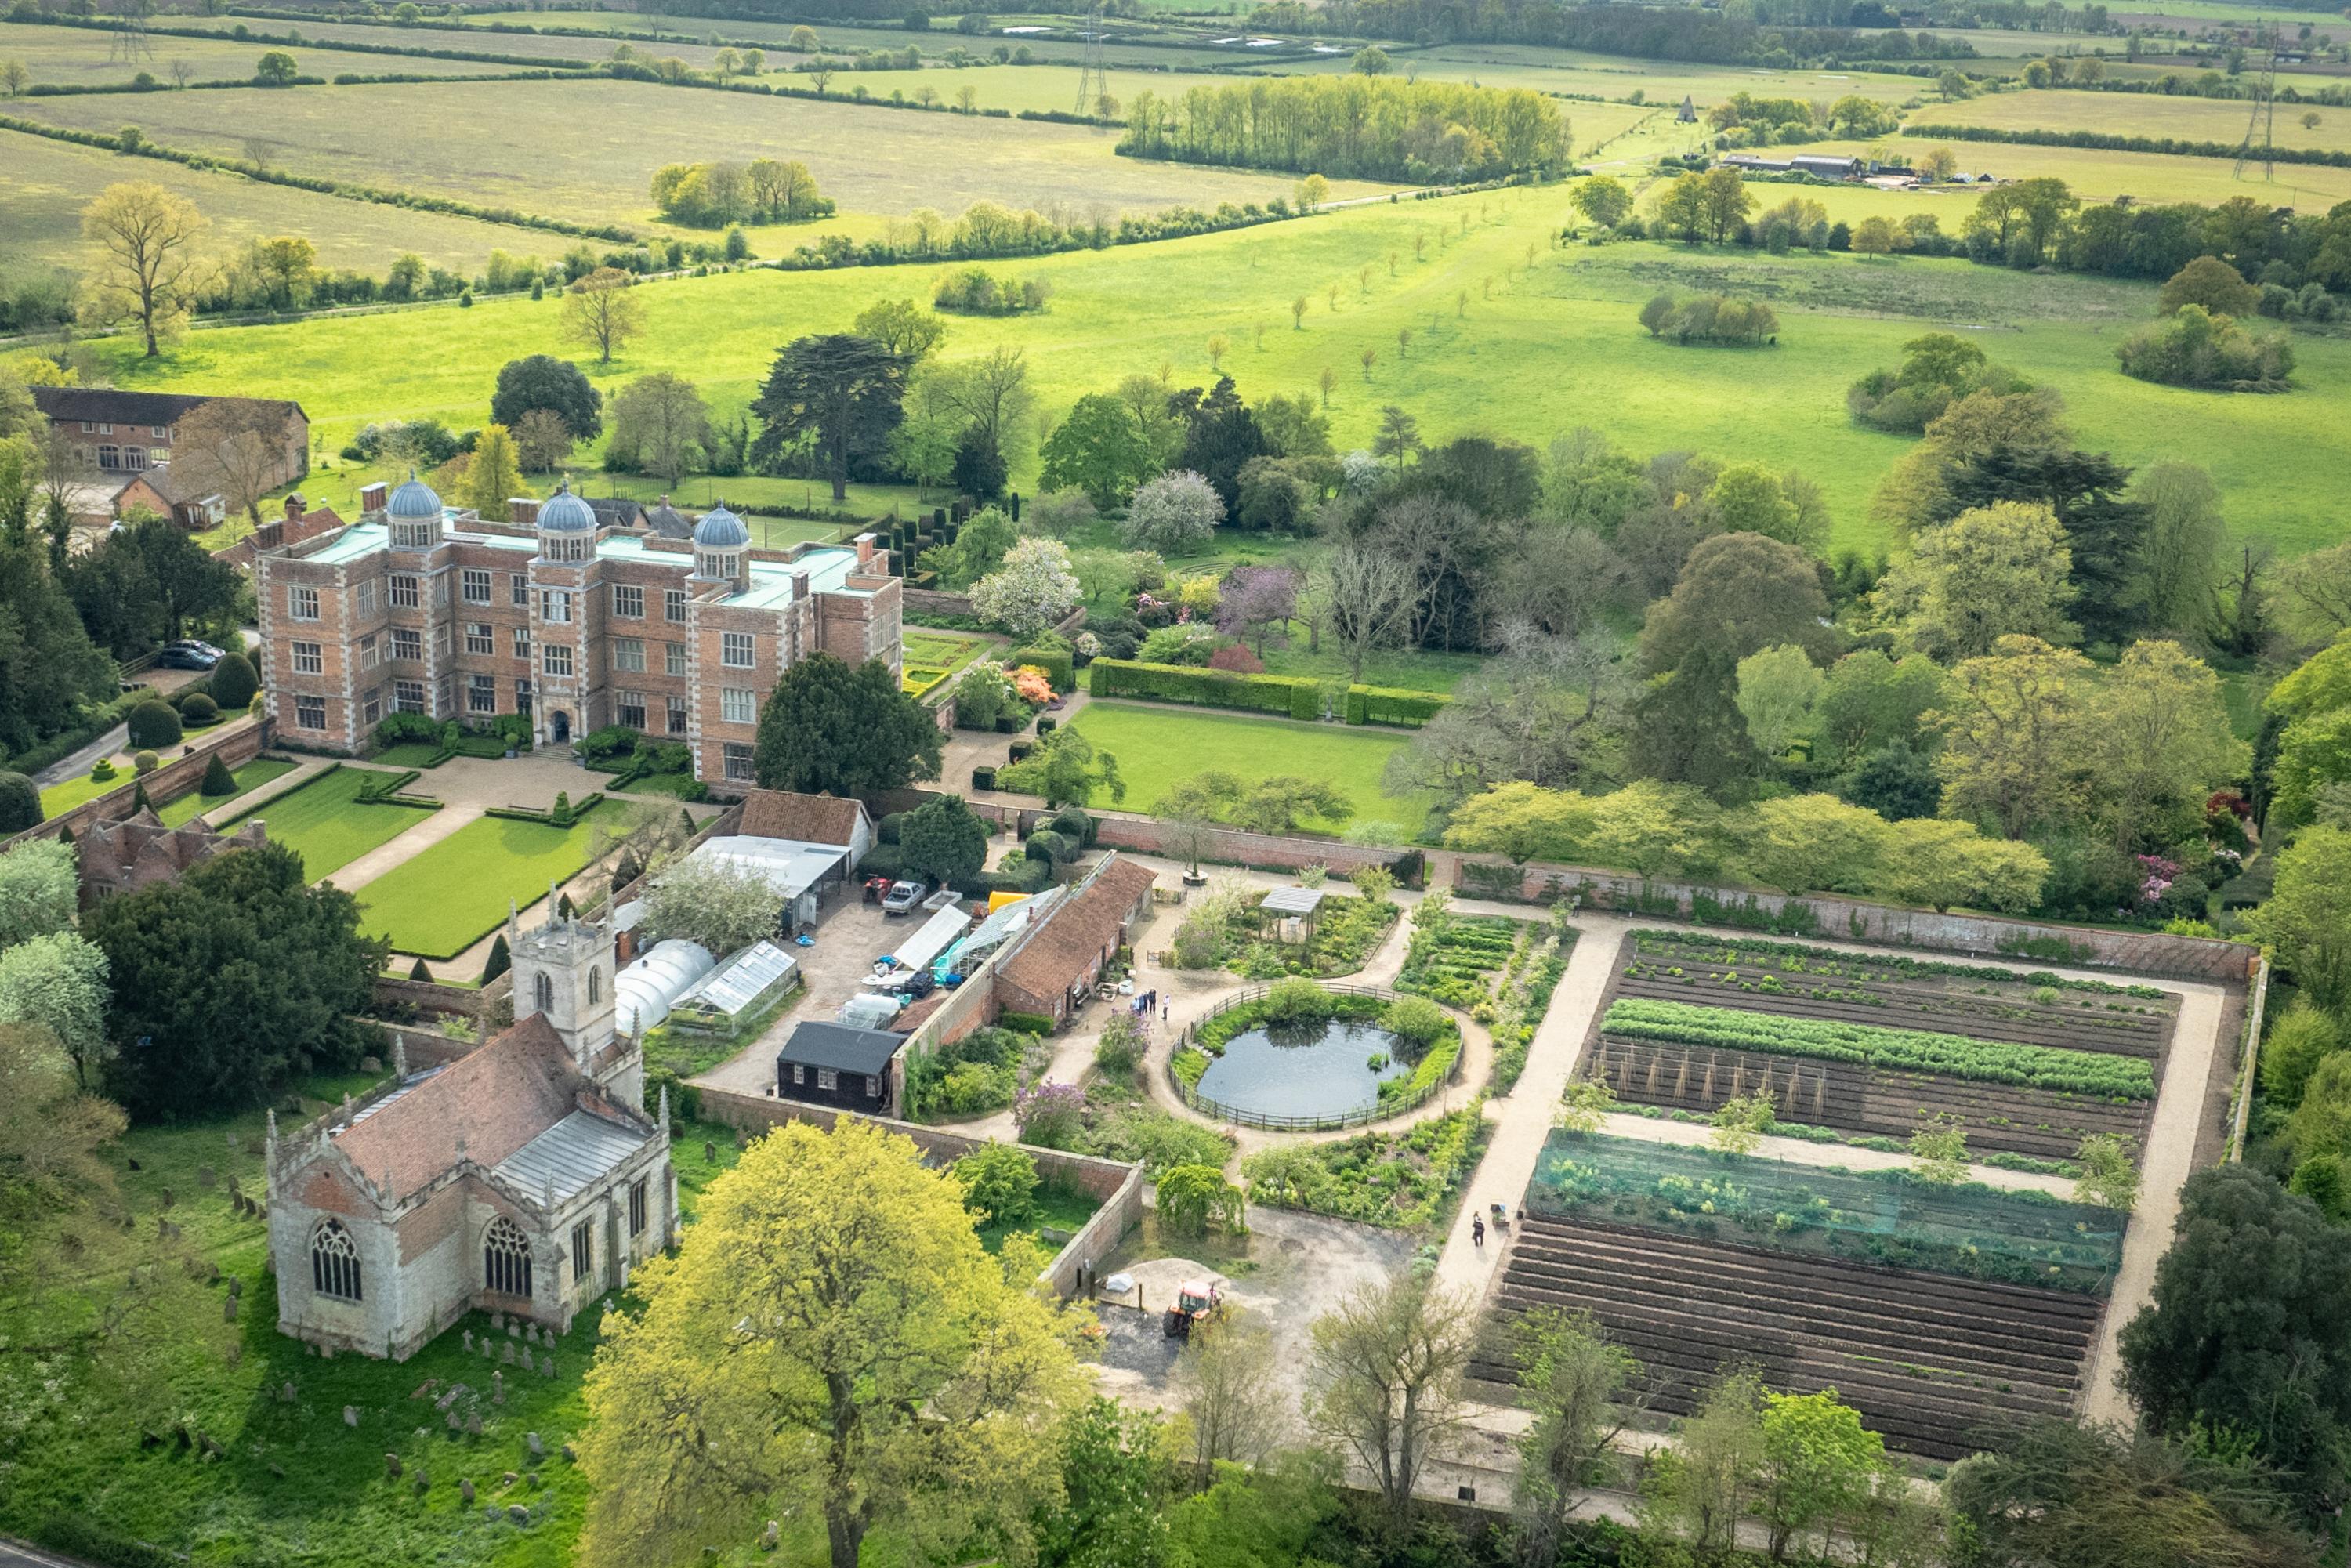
20, 803
232, 682
218, 779
145, 763
153, 725
200, 710
103, 770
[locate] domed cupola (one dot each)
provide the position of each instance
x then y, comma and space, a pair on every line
566, 525
720, 543
413, 514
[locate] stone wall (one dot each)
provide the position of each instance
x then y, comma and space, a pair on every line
165, 785
930, 601
1230, 846
1117, 1188
1852, 919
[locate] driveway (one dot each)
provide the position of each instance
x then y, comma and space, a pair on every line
850, 935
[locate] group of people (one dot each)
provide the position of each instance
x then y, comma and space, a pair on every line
1150, 1001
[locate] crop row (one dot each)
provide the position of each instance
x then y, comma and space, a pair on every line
1996, 1061
1692, 948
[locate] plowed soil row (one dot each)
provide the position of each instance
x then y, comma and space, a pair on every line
2143, 1038
1930, 1360
1852, 1098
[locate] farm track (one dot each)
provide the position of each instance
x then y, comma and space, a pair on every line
1854, 1098
1905, 1008
1928, 1359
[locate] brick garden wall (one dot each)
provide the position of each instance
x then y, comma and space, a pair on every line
165, 785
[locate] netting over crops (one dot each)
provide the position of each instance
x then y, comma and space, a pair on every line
1870, 1217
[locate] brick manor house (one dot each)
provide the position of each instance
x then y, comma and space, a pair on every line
525, 1177
421, 608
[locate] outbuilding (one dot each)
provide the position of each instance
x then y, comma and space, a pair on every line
834, 1064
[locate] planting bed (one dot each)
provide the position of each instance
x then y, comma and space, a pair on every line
1877, 1045
1937, 1312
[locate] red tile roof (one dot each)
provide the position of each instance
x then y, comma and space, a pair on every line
811, 819
1061, 951
494, 1100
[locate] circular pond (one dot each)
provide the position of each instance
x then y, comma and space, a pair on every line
1311, 1070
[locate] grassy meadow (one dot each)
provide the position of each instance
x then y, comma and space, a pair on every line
1560, 337
1157, 746
2145, 177
1577, 73
78, 57
2149, 114
45, 184
588, 154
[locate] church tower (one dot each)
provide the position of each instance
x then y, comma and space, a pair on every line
563, 968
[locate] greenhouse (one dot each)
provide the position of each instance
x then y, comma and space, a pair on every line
644, 993
739, 989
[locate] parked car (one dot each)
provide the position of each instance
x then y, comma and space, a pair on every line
188, 654
903, 897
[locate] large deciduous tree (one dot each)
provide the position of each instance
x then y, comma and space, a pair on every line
661, 425
2012, 729
723, 906
942, 840
1997, 572
146, 262
1033, 588
834, 728
57, 982
1098, 449
236, 446
880, 1372
48, 665
232, 982
1582, 1391
841, 393
1383, 1379
542, 381
601, 312
493, 476
2307, 917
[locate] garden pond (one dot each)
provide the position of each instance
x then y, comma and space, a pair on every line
1312, 1068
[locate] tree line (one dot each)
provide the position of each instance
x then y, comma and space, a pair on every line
1354, 127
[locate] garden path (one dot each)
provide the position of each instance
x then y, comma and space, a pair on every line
398, 852
1523, 1120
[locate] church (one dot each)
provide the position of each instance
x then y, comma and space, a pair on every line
525, 1177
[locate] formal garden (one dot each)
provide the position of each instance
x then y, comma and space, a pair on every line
241, 780
329, 821
453, 893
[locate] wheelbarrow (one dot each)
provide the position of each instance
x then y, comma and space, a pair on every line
1501, 1214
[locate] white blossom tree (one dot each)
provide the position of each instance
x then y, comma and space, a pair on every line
1034, 588
1174, 515
722, 907
39, 891
60, 981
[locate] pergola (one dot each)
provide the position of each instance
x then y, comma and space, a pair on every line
1304, 904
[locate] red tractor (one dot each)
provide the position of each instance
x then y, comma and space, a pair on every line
1195, 1302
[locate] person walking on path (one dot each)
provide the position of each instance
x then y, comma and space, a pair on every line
1478, 1231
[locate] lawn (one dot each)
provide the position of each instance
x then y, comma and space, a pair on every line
1058, 1208
75, 792
324, 822
295, 1486
1562, 339
1157, 746
442, 901
48, 183
931, 657
250, 776
588, 151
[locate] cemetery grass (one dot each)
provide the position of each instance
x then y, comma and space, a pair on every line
440, 902
325, 824
1157, 746
586, 152
250, 776
50, 183
1529, 354
333, 1505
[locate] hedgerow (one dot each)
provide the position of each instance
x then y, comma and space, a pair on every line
1917, 1051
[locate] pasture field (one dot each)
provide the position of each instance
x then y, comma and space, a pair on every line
324, 823
46, 184
1617, 76
2145, 177
588, 154
1157, 745
2145, 114
1058, 37
442, 901
536, 46
1561, 337
2194, 12
77, 56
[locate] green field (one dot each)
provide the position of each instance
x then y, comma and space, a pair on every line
249, 777
442, 901
1561, 340
1618, 77
78, 57
588, 153
77, 791
2147, 114
1157, 746
323, 822
2144, 177
46, 184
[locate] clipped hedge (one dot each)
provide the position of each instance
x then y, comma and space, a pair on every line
1393, 705
1290, 696
1903, 1050
1026, 1023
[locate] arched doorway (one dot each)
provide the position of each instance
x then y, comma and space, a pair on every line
558, 724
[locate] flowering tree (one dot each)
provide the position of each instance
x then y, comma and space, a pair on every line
723, 907
1174, 515
1050, 1115
1034, 588
1256, 599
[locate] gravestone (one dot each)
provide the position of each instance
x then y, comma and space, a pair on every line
391, 1466
235, 1353
236, 1286
537, 1449
286, 1392
546, 1367
205, 1176
530, 1335
351, 1414
498, 1322
423, 1483
518, 1513
465, 1493
569, 1456
469, 1341
497, 1388
228, 1309
772, 1537
531, 1481
509, 1356
473, 1423
452, 1422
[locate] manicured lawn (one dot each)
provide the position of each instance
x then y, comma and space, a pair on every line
1157, 746
932, 656
73, 792
258, 772
447, 898
324, 822
1410, 669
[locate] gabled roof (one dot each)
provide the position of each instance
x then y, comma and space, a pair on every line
1059, 953
115, 405
669, 522
493, 1101
811, 819
574, 1153
844, 1048
615, 511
